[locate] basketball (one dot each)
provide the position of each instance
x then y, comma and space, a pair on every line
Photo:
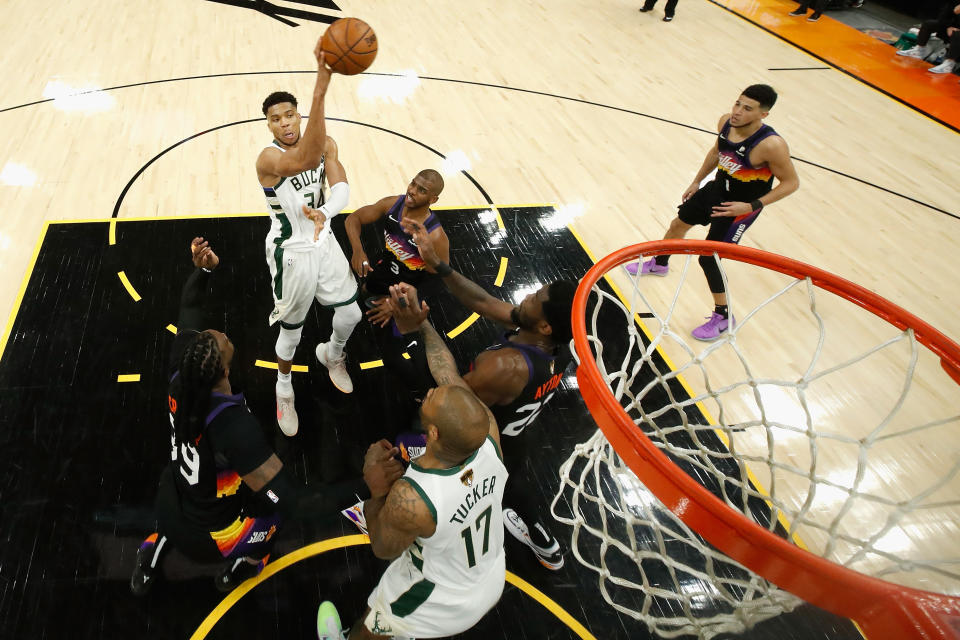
349, 46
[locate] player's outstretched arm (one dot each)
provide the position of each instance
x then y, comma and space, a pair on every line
468, 292
409, 314
309, 152
194, 295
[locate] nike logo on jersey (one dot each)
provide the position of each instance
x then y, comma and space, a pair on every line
413, 343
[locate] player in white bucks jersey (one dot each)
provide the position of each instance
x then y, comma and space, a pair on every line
442, 520
306, 262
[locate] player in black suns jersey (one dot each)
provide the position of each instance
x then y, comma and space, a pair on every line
747, 156
224, 492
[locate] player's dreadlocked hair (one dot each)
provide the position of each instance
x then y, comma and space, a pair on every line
200, 367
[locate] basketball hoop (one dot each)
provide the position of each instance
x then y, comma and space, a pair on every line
663, 445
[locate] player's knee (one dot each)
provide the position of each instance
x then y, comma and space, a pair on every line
708, 263
348, 314
287, 342
679, 226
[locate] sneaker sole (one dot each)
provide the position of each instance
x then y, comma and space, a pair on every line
649, 273
339, 388
717, 337
327, 617
316, 353
552, 566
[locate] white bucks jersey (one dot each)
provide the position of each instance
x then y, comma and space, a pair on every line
289, 228
466, 502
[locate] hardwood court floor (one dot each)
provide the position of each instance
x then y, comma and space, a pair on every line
115, 110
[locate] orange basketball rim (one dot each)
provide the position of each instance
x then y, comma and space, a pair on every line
885, 611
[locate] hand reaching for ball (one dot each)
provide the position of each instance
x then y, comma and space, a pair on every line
349, 45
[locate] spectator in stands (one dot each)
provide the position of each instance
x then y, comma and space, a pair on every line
947, 28
668, 11
818, 6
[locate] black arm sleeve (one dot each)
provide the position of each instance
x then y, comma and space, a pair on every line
190, 319
237, 436
192, 300
420, 379
282, 494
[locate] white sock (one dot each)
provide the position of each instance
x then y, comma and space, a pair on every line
284, 381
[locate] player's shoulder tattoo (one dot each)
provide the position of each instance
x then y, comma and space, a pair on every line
403, 506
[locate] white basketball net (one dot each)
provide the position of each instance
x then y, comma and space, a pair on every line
814, 448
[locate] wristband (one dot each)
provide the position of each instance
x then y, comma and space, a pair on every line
443, 269
756, 206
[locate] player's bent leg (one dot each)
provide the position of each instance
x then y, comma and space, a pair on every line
330, 354
286, 347
659, 266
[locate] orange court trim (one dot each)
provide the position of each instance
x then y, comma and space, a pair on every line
867, 59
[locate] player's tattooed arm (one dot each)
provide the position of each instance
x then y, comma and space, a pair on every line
402, 518
443, 367
444, 370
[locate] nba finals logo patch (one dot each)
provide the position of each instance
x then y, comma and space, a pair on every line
467, 478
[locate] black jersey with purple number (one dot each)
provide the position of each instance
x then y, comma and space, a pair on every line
741, 181
545, 371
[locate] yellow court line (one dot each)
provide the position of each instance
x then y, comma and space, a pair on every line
761, 488
208, 216
129, 287
23, 289
373, 364
550, 605
172, 329
463, 326
266, 364
204, 216
128, 377
343, 542
112, 235
502, 273
528, 205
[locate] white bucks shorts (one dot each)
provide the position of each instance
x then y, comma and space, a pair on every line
298, 276
406, 605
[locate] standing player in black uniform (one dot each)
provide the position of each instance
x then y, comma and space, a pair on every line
747, 156
222, 494
515, 377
